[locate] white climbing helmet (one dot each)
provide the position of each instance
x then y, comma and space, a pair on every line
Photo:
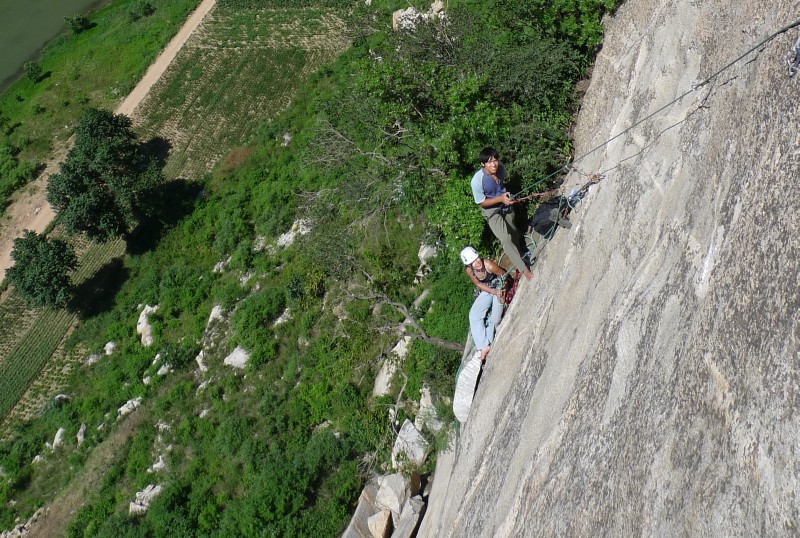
469, 255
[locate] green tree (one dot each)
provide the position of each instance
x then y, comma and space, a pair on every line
78, 23
106, 184
33, 71
41, 269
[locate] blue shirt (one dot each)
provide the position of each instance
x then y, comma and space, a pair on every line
484, 186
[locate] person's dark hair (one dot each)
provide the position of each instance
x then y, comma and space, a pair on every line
488, 153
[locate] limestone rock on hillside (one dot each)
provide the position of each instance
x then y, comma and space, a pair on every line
645, 383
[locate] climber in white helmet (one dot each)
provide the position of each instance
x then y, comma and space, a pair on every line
488, 306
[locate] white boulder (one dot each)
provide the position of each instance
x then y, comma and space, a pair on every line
143, 327
217, 313
299, 227
199, 360
237, 359
109, 347
407, 523
380, 524
383, 381
160, 465
392, 494
81, 437
409, 447
129, 407
426, 416
59, 438
143, 500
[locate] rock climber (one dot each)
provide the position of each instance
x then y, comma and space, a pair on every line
487, 309
497, 206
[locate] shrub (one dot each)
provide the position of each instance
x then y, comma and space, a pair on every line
78, 23
33, 71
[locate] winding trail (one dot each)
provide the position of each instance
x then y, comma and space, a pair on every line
30, 210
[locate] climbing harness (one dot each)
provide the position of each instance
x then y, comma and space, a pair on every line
793, 58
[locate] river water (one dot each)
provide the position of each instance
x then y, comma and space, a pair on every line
27, 25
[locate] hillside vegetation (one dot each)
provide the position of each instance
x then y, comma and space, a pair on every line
372, 152
94, 67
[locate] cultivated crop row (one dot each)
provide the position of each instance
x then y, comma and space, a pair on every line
238, 71
30, 354
15, 320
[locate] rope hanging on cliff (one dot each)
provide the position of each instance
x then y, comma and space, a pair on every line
570, 166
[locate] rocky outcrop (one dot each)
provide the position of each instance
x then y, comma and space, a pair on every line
645, 382
129, 407
143, 500
81, 435
237, 359
23, 529
383, 381
410, 448
58, 440
143, 327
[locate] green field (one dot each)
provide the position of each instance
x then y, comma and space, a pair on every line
240, 69
95, 68
30, 338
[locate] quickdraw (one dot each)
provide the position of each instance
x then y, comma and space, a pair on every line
793, 58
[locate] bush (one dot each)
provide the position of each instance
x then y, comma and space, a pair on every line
78, 23
33, 71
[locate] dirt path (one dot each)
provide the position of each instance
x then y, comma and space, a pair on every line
56, 516
30, 210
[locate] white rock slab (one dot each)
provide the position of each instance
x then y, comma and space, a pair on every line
409, 447
407, 523
426, 416
199, 360
237, 359
81, 437
383, 381
59, 438
143, 327
392, 494
143, 499
160, 465
380, 525
129, 407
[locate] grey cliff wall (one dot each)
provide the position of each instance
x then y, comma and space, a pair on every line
646, 382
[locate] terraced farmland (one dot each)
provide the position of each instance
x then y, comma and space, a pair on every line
33, 362
237, 71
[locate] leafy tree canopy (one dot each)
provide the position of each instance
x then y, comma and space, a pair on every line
106, 184
41, 269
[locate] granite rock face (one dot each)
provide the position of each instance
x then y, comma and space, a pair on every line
645, 382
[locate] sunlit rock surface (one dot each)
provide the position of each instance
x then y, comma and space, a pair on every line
645, 383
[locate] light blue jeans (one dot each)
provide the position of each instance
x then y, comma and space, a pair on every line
482, 325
